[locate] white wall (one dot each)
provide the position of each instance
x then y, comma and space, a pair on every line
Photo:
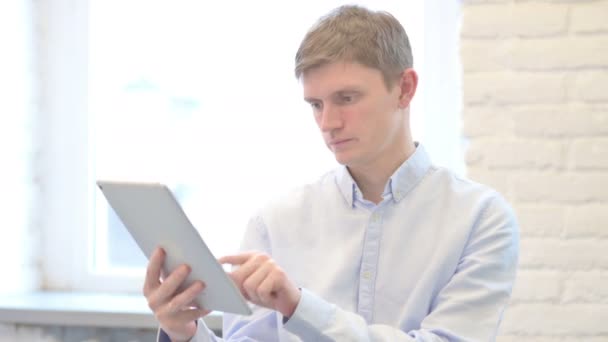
17, 108
536, 114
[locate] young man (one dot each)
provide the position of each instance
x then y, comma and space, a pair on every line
386, 247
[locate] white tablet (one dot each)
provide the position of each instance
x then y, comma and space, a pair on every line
154, 218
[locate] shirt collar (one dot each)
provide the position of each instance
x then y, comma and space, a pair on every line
403, 180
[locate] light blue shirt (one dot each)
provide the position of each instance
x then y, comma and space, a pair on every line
435, 260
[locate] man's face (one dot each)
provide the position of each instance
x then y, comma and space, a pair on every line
359, 118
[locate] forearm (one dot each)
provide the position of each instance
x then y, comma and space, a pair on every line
318, 320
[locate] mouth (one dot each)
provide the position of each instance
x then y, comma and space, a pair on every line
338, 143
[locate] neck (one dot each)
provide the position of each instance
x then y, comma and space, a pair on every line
372, 178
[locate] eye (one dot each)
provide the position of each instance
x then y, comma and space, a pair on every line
347, 98
316, 105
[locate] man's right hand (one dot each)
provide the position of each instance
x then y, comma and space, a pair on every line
173, 310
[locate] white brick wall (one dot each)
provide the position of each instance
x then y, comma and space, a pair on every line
590, 18
536, 115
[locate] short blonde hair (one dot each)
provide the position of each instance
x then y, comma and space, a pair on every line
355, 34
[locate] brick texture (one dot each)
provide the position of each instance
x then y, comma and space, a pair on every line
535, 112
514, 88
589, 154
561, 121
586, 287
566, 187
508, 20
555, 320
537, 286
587, 221
560, 254
590, 86
541, 220
590, 18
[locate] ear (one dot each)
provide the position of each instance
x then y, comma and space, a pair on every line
408, 84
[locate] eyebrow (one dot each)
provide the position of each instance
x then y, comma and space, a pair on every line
345, 90
310, 99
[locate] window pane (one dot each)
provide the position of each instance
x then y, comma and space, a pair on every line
201, 95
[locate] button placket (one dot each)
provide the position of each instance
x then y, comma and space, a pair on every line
369, 262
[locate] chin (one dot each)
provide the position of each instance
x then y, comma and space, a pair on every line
344, 159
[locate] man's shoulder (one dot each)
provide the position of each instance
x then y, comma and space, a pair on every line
474, 207
460, 187
303, 195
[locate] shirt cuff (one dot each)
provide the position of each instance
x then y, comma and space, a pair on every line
312, 315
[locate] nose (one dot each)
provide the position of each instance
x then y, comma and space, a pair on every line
329, 118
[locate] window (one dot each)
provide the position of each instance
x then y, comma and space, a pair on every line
17, 105
201, 96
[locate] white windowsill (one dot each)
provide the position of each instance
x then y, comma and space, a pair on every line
83, 309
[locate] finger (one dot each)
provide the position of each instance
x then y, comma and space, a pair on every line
186, 298
179, 320
190, 315
237, 259
168, 287
246, 270
153, 271
252, 283
267, 290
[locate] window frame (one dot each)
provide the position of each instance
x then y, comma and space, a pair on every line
65, 167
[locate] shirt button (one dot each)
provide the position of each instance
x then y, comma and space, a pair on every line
367, 275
